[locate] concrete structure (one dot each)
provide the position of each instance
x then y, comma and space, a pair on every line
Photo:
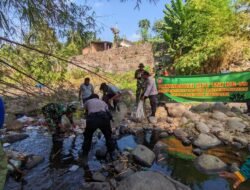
97, 46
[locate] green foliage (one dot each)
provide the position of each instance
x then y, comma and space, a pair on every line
197, 33
144, 26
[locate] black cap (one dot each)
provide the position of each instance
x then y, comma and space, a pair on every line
141, 65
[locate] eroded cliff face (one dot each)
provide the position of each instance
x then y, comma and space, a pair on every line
121, 59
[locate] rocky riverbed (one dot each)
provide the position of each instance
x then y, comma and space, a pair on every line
183, 147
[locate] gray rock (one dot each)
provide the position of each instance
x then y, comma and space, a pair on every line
124, 174
235, 125
33, 161
96, 186
201, 107
119, 166
98, 177
219, 116
241, 140
236, 110
209, 164
163, 135
175, 109
152, 120
220, 107
14, 138
234, 167
197, 151
182, 135
202, 127
143, 155
231, 114
170, 120
205, 141
150, 180
225, 136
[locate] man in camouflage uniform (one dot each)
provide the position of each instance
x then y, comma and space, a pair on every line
53, 113
140, 82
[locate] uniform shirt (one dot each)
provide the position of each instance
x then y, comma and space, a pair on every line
53, 113
151, 88
86, 90
138, 74
95, 105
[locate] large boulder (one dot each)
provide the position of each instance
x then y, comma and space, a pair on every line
150, 180
182, 135
143, 155
219, 116
235, 125
209, 164
161, 112
205, 141
202, 127
220, 107
175, 110
204, 107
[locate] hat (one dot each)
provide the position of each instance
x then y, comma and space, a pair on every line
141, 65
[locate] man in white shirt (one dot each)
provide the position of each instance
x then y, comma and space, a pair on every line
86, 90
98, 117
150, 92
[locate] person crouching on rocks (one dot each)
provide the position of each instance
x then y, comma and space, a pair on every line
98, 117
239, 176
53, 113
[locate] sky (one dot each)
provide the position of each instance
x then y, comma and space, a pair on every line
112, 13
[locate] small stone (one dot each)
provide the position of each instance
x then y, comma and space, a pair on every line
197, 151
163, 135
143, 155
33, 161
202, 127
98, 177
6, 145
234, 167
152, 120
73, 168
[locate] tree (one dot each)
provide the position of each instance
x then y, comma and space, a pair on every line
61, 15
144, 26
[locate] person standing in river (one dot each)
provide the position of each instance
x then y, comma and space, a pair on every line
98, 117
53, 113
86, 90
140, 82
239, 176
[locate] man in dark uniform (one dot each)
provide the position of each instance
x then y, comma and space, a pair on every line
111, 93
140, 82
53, 113
98, 117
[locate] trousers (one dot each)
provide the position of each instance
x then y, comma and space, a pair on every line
94, 122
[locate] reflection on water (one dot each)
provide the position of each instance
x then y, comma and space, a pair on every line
53, 172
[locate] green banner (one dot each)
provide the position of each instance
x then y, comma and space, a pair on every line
228, 87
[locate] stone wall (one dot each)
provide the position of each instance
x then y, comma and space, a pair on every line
121, 59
